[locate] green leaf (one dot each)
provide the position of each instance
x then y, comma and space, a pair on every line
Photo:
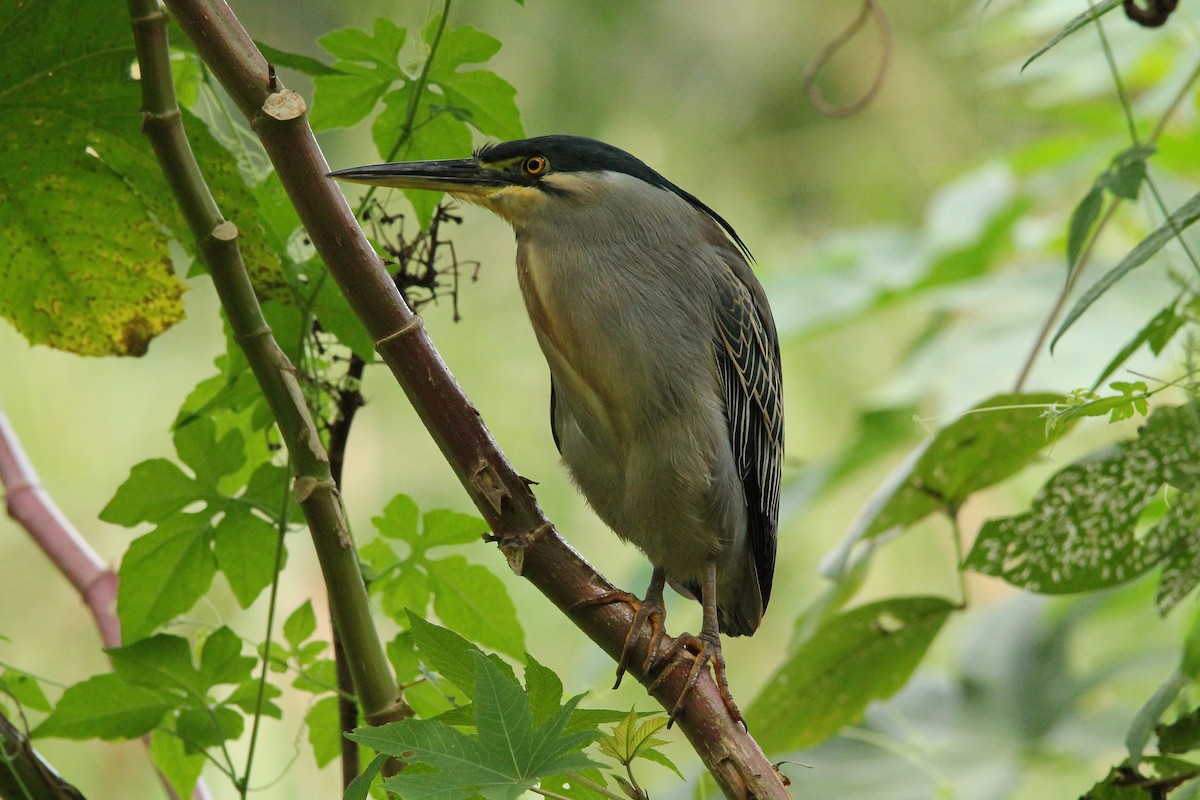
346, 98
405, 589
300, 624
381, 48
245, 697
23, 688
399, 519
629, 737
1180, 575
506, 758
245, 546
210, 458
1083, 218
447, 653
435, 134
341, 101
160, 662
202, 728
181, 768
154, 490
440, 527
544, 688
105, 707
569, 786
1154, 778
463, 762
464, 45
1093, 13
337, 318
1147, 718
222, 170
163, 574
989, 443
361, 785
488, 99
1081, 532
1157, 333
864, 654
502, 714
1190, 663
324, 730
1128, 171
658, 757
1180, 220
84, 264
1182, 735
221, 659
267, 487
470, 599
319, 676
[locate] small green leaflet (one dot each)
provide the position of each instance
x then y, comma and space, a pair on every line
164, 573
505, 757
449, 654
468, 597
1157, 333
1179, 221
1093, 13
1081, 532
629, 740
1123, 178
105, 707
1154, 778
865, 654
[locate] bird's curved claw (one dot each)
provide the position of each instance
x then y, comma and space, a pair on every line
649, 611
703, 649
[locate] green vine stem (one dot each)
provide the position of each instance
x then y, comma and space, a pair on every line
502, 496
313, 486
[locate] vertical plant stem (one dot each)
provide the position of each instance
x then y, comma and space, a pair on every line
313, 485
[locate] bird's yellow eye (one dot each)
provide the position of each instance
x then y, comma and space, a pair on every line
536, 165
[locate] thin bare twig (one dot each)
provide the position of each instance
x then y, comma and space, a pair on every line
870, 9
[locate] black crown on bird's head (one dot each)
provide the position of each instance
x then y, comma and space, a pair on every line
581, 154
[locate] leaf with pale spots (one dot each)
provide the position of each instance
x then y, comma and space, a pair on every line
1082, 531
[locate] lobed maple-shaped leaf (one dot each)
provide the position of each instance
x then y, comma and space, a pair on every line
506, 756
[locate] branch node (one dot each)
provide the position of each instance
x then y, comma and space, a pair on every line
513, 544
284, 105
414, 324
163, 117
393, 713
263, 331
487, 481
226, 231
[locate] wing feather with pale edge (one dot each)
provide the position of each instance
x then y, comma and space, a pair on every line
747, 350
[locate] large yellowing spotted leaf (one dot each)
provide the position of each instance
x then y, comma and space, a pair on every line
83, 242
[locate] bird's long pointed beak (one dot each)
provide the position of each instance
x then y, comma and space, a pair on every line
459, 176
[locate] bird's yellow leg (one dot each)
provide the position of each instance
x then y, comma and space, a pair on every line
648, 611
704, 649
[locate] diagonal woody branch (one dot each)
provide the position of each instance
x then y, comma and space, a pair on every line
502, 496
